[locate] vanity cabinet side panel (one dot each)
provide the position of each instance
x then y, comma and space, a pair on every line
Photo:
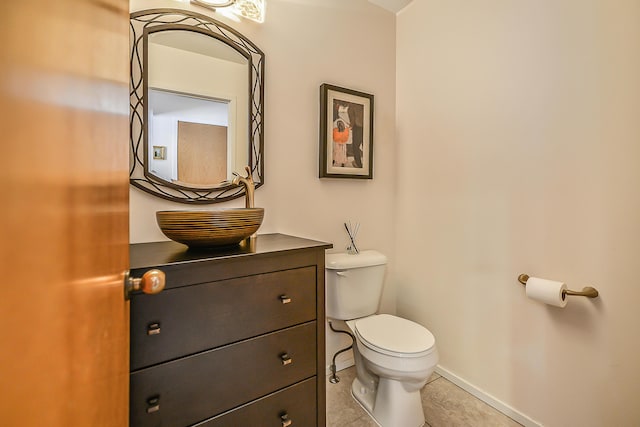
321, 395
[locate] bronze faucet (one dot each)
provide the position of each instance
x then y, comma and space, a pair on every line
247, 182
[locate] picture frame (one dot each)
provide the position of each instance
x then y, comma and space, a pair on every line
346, 133
159, 152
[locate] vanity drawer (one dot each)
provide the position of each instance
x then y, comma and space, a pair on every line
191, 319
194, 388
296, 403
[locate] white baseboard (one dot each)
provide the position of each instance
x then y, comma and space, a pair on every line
499, 405
344, 364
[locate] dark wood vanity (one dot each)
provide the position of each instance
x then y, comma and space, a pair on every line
236, 338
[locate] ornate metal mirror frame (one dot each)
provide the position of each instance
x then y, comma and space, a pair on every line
141, 24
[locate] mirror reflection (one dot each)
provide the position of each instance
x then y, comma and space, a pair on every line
191, 140
196, 107
195, 85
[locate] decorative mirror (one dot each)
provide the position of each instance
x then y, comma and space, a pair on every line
197, 89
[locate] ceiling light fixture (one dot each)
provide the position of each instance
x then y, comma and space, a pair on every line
250, 9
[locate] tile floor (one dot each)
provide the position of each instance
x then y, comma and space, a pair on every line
444, 403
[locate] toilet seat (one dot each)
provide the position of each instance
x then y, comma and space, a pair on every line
394, 336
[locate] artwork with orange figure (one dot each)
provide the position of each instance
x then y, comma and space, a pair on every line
340, 132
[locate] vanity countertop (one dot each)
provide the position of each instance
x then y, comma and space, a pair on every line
157, 254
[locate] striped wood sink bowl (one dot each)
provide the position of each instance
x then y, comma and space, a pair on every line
201, 229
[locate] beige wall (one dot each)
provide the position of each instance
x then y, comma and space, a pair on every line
518, 128
516, 151
307, 43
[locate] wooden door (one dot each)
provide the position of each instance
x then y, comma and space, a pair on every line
64, 213
202, 153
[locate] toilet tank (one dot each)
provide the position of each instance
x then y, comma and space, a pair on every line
354, 284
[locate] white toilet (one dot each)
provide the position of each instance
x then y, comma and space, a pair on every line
394, 357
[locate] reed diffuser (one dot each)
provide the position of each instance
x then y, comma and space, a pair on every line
352, 231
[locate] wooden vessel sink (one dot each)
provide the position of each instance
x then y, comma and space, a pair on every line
202, 228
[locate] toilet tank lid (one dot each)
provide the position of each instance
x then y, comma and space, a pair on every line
343, 260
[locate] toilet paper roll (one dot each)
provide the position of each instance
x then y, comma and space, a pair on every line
546, 291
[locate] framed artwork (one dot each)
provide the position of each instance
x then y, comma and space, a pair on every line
346, 133
159, 152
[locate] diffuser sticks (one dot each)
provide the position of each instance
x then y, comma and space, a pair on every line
352, 231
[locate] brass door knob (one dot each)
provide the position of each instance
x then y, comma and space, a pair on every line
151, 282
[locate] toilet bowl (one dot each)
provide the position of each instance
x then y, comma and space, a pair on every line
401, 355
394, 357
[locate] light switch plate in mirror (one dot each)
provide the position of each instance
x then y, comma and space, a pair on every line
143, 173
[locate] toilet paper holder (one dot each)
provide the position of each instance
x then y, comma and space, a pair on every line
588, 291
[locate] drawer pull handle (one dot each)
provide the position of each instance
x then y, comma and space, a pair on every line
286, 422
153, 328
153, 404
286, 359
285, 299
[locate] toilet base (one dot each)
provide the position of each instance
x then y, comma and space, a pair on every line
390, 405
